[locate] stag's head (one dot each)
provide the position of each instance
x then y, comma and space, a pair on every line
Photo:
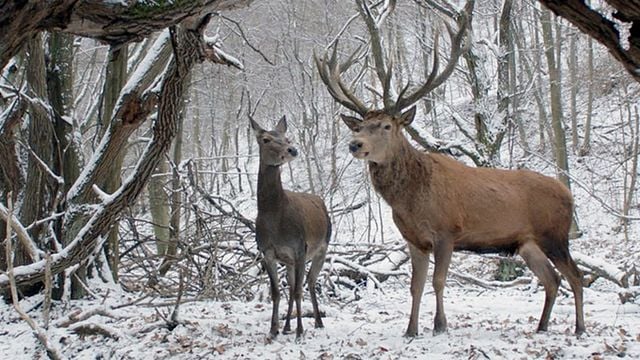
377, 135
376, 132
275, 147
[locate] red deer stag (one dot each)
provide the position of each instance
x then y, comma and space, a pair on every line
441, 205
291, 227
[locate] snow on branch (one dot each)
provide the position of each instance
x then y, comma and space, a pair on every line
602, 268
23, 236
215, 54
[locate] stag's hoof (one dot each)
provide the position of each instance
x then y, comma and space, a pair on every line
411, 333
286, 329
580, 330
541, 329
319, 324
437, 330
439, 326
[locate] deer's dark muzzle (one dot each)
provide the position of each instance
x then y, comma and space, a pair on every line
292, 151
355, 145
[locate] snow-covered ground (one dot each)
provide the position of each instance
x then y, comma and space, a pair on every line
483, 324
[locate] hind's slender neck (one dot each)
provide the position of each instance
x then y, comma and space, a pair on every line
270, 191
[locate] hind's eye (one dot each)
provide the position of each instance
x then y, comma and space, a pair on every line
387, 127
266, 141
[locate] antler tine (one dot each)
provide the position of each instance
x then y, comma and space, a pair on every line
330, 74
457, 48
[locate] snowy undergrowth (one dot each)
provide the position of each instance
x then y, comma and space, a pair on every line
497, 323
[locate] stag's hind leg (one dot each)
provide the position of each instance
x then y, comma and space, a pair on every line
539, 264
569, 269
442, 251
316, 266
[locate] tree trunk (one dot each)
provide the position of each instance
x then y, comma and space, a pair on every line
159, 206
560, 142
37, 190
555, 95
504, 83
115, 80
67, 160
573, 85
586, 142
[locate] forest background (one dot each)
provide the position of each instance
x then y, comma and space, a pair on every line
129, 173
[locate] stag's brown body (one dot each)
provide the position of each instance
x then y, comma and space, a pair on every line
479, 209
291, 227
441, 205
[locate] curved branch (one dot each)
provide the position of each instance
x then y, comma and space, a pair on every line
109, 21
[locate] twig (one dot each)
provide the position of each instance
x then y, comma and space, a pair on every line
78, 316
47, 290
52, 350
95, 329
34, 252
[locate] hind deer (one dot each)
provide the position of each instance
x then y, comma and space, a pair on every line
441, 205
291, 227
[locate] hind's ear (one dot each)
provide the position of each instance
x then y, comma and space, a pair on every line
282, 125
255, 126
407, 117
352, 122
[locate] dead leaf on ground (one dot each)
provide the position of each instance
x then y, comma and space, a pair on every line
219, 349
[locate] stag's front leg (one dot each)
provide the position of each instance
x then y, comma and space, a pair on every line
442, 251
272, 270
419, 269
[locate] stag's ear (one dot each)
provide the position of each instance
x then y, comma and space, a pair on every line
352, 122
255, 126
282, 125
407, 117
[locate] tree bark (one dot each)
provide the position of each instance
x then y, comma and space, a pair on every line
112, 22
38, 190
189, 48
67, 157
560, 143
599, 27
158, 204
115, 81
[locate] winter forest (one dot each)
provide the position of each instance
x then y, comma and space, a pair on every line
131, 142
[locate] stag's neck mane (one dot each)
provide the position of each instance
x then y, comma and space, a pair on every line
270, 191
406, 171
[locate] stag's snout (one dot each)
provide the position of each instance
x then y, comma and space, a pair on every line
355, 145
292, 151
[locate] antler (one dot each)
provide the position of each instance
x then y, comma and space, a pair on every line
457, 48
330, 73
374, 15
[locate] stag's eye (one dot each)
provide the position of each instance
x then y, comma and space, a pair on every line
266, 141
387, 127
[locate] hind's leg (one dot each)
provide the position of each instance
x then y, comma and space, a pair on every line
538, 263
569, 269
299, 277
291, 283
316, 266
272, 270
